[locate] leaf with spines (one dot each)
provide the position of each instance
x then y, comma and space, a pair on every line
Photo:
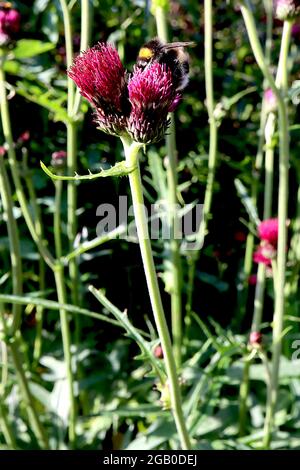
119, 169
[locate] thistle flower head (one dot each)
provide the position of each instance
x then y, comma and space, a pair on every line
137, 106
287, 9
152, 95
101, 79
268, 231
9, 22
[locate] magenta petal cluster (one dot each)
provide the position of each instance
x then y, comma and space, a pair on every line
268, 231
101, 79
264, 254
287, 9
152, 95
137, 105
9, 22
268, 234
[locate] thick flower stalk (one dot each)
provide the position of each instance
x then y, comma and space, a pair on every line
135, 106
9, 23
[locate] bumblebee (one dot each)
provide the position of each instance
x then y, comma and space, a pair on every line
5, 5
172, 54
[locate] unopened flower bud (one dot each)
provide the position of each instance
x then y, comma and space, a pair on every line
9, 22
287, 9
158, 352
255, 338
270, 101
59, 159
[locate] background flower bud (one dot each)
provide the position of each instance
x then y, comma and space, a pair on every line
287, 9
9, 23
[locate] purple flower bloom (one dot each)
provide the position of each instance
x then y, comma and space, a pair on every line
9, 22
101, 79
152, 95
137, 106
287, 9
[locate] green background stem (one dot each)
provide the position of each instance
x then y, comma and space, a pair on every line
213, 140
282, 234
6, 125
174, 264
14, 243
282, 199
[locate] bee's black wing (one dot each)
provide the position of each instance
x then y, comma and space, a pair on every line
174, 45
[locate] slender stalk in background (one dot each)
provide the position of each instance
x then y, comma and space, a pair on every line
37, 349
268, 198
174, 264
14, 342
282, 235
5, 424
282, 198
14, 243
131, 154
258, 165
6, 125
27, 398
266, 134
213, 139
71, 155
73, 108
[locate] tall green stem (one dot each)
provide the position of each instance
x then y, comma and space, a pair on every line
213, 139
73, 106
175, 262
64, 320
57, 219
37, 349
71, 155
131, 153
282, 198
282, 235
14, 242
33, 416
66, 339
5, 424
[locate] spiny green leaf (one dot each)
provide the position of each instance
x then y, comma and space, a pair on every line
119, 169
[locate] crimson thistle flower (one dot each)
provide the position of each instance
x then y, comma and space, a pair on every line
136, 106
9, 23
